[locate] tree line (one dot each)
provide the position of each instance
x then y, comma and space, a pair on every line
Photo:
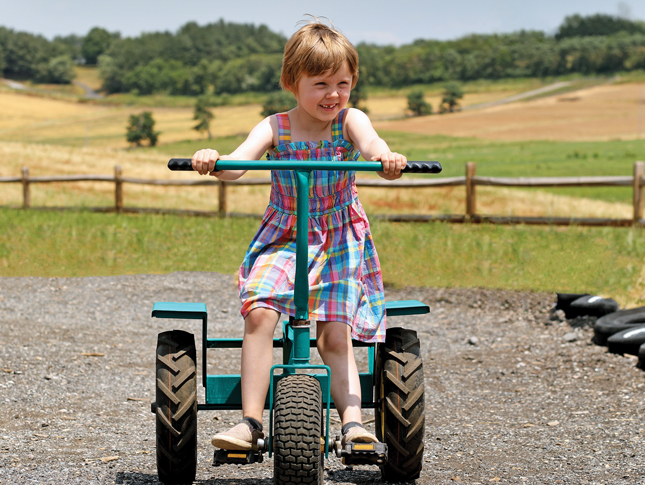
223, 57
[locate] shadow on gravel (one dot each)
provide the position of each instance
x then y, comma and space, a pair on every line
124, 478
358, 477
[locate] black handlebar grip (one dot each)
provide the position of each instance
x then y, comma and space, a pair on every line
422, 167
180, 165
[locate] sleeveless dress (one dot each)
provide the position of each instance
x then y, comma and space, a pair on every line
345, 282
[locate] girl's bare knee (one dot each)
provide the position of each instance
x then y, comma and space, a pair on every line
334, 338
261, 319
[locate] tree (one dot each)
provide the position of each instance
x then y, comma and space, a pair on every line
140, 128
23, 54
451, 95
417, 104
95, 43
204, 115
278, 102
358, 95
59, 70
597, 24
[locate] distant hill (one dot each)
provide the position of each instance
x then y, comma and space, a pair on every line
224, 57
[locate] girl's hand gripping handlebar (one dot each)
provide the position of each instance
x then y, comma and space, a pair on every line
184, 165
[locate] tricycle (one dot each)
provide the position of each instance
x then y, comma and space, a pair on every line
299, 399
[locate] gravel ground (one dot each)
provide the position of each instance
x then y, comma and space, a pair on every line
509, 399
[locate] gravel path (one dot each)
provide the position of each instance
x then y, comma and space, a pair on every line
519, 404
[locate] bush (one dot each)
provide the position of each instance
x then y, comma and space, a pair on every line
59, 70
451, 95
204, 115
417, 104
140, 128
278, 102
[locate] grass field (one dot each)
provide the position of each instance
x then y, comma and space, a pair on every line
56, 137
37, 119
605, 112
604, 261
493, 158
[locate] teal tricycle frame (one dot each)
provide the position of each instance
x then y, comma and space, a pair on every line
223, 392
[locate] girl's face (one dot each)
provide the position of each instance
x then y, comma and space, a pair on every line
323, 96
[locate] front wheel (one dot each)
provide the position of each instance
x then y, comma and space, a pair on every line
299, 453
176, 407
400, 415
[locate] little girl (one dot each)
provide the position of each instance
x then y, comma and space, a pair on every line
320, 68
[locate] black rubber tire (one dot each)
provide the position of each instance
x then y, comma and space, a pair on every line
627, 341
641, 357
616, 322
564, 301
399, 413
592, 306
176, 407
297, 431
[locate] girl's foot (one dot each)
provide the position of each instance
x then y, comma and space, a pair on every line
355, 433
240, 437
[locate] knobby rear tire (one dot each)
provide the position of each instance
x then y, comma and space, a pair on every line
176, 407
298, 453
399, 414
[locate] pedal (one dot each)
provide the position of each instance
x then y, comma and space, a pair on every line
364, 454
234, 457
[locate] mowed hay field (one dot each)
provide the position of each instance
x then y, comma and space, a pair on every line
33, 119
49, 136
604, 112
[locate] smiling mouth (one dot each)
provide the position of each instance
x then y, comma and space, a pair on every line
329, 106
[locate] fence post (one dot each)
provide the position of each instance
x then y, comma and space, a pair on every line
639, 172
471, 171
222, 197
118, 188
26, 195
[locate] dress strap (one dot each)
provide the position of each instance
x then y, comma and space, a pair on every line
337, 126
284, 128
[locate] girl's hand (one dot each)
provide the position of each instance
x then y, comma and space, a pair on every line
393, 163
203, 162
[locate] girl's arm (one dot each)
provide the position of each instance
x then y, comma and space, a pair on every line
373, 147
255, 145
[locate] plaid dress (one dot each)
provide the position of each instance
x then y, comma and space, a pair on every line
345, 283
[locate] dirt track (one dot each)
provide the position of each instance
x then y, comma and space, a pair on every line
520, 406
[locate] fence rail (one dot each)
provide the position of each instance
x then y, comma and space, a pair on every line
470, 181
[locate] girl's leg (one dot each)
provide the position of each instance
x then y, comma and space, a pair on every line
335, 347
257, 358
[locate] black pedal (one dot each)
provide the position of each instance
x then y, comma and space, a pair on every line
234, 457
364, 454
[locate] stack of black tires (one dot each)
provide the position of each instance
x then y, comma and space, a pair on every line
622, 331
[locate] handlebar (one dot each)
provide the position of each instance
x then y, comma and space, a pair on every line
184, 165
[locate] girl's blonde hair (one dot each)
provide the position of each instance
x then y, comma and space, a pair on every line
315, 49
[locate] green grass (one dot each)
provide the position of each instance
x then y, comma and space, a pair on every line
528, 159
494, 158
604, 261
39, 243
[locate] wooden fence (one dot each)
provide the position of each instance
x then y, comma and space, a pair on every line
470, 181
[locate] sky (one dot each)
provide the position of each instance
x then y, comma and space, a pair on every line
376, 21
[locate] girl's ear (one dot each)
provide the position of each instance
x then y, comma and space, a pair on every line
287, 87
